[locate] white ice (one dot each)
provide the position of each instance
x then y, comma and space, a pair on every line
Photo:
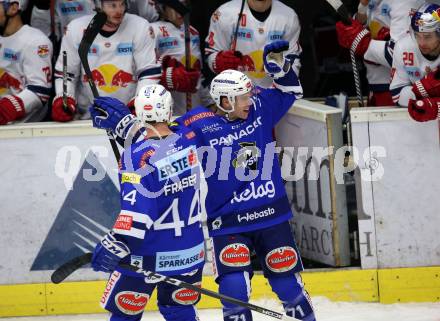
325, 311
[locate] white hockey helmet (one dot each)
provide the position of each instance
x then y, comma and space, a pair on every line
230, 84
153, 103
426, 19
22, 4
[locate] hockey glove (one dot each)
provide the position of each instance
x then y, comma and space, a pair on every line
275, 64
279, 68
227, 60
424, 110
110, 113
428, 86
58, 111
354, 37
176, 77
108, 253
11, 108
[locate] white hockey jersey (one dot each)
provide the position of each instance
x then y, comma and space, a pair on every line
119, 64
281, 24
409, 65
68, 10
395, 15
65, 12
25, 66
170, 41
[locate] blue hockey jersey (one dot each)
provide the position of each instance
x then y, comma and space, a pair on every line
245, 188
162, 200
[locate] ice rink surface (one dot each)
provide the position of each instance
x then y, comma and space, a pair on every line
325, 311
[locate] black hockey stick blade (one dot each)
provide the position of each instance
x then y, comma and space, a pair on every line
60, 274
89, 35
341, 9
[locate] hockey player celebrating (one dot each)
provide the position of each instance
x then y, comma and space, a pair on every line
25, 65
262, 21
158, 228
121, 58
254, 214
416, 82
170, 48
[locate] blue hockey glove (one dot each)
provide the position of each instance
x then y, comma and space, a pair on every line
275, 64
279, 68
110, 113
108, 253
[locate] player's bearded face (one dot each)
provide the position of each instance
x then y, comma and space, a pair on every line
173, 16
428, 42
115, 10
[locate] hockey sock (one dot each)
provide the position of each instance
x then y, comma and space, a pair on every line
178, 313
295, 299
238, 286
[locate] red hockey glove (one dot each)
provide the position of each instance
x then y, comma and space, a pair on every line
247, 63
428, 86
227, 60
58, 112
354, 36
424, 109
11, 108
176, 77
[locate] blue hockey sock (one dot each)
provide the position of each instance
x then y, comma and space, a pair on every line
295, 299
178, 313
238, 286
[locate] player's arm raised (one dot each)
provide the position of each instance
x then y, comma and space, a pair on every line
285, 80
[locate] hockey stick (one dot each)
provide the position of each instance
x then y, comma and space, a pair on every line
234, 39
186, 24
69, 267
60, 274
83, 50
65, 75
341, 9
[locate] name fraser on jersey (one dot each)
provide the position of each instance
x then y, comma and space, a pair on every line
180, 185
230, 138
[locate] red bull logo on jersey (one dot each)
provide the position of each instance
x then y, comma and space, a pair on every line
236, 254
178, 163
282, 259
43, 51
8, 82
186, 296
131, 303
110, 79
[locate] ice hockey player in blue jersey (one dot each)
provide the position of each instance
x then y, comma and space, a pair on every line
247, 205
158, 227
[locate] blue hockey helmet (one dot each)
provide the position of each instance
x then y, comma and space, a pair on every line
426, 18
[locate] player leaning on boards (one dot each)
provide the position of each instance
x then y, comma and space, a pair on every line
240, 218
388, 21
142, 234
261, 22
416, 81
25, 65
121, 58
